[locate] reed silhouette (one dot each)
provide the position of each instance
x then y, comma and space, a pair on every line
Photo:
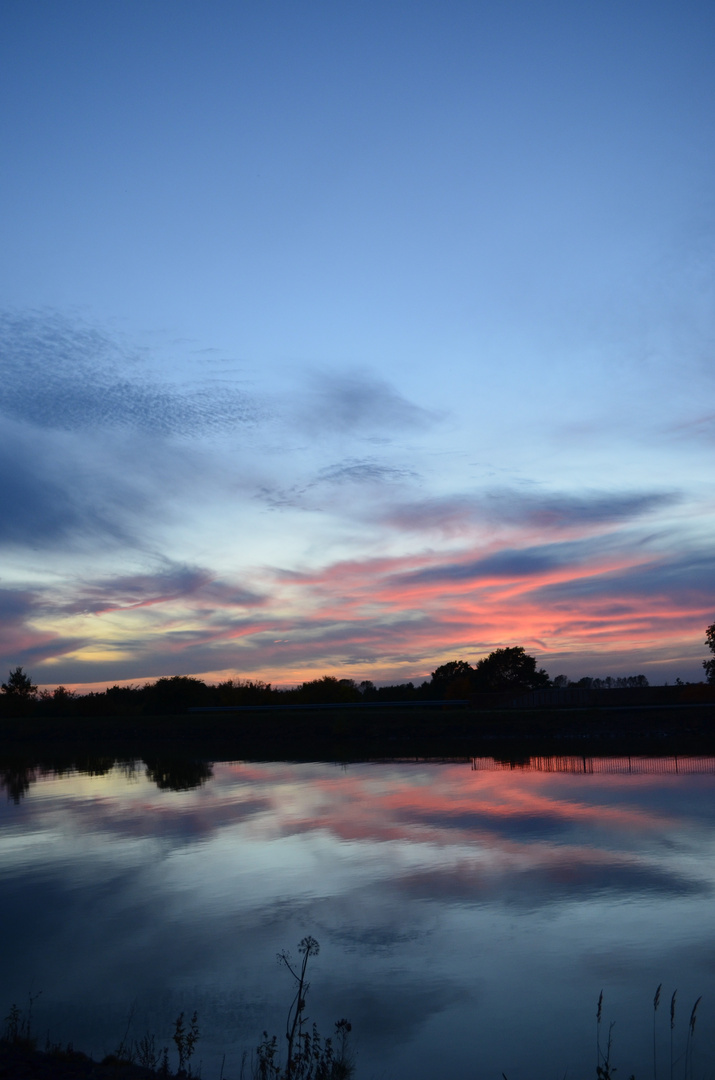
309, 1056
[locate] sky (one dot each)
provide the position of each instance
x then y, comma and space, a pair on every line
354, 338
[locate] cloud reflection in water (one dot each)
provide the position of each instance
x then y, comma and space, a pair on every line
436, 890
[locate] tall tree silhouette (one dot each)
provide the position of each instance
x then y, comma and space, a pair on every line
709, 665
20, 684
509, 669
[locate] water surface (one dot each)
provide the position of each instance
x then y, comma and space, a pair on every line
468, 912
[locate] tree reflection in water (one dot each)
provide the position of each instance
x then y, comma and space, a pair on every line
18, 772
177, 774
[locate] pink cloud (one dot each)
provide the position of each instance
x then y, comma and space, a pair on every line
398, 617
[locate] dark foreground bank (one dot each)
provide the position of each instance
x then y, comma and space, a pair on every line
22, 1062
348, 732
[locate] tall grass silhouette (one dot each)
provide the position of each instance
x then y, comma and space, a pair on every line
604, 1064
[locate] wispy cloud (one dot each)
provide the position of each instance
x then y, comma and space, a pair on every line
345, 484
95, 449
65, 375
92, 450
59, 494
356, 403
22, 641
544, 510
366, 471
166, 586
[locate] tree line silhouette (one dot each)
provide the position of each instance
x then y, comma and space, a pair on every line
510, 670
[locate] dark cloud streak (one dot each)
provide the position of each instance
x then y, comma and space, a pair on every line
549, 511
174, 582
54, 494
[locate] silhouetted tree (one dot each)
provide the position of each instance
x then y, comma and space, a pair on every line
19, 695
709, 665
610, 682
509, 669
175, 694
120, 701
453, 669
326, 691
398, 692
19, 684
58, 702
244, 692
452, 680
368, 689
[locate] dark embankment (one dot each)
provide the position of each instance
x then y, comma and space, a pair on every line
612, 724
22, 1062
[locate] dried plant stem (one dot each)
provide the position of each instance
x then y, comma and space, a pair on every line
689, 1041
672, 1026
656, 1003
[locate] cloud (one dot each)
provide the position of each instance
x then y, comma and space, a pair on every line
55, 492
357, 403
96, 450
137, 590
547, 511
90, 453
21, 642
685, 578
699, 427
507, 565
365, 471
463, 513
394, 1014
175, 619
326, 487
558, 880
173, 583
93, 460
67, 376
397, 618
562, 561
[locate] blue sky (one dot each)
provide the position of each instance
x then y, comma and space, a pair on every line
352, 338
